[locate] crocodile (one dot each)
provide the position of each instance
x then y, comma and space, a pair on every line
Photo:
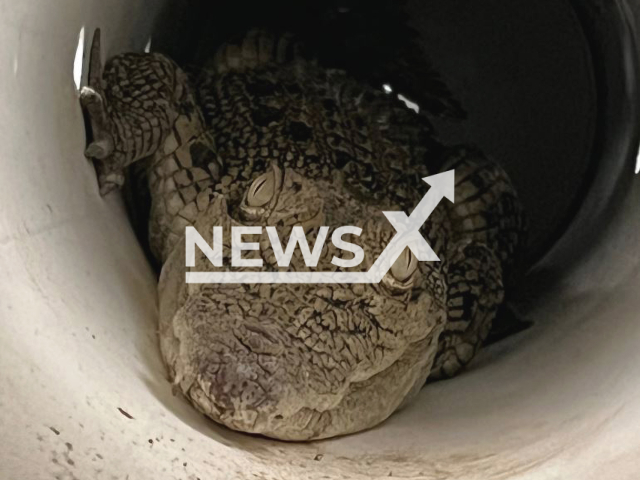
263, 136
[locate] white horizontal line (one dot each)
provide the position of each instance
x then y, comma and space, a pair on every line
281, 277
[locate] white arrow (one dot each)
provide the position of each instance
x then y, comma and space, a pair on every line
408, 227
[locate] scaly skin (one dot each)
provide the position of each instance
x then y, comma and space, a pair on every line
263, 139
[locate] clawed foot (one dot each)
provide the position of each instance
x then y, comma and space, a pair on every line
101, 147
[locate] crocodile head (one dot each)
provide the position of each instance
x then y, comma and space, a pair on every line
299, 361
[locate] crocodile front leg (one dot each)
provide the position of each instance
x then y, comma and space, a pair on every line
132, 108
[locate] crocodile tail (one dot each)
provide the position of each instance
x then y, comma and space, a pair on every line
258, 47
487, 213
487, 209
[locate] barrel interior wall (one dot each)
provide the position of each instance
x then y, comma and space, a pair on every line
84, 393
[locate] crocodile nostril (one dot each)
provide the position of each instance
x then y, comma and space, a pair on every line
236, 389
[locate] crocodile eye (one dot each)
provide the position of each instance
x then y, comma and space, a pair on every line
262, 190
405, 266
262, 195
400, 276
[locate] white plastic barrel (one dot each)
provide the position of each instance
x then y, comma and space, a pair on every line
83, 392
